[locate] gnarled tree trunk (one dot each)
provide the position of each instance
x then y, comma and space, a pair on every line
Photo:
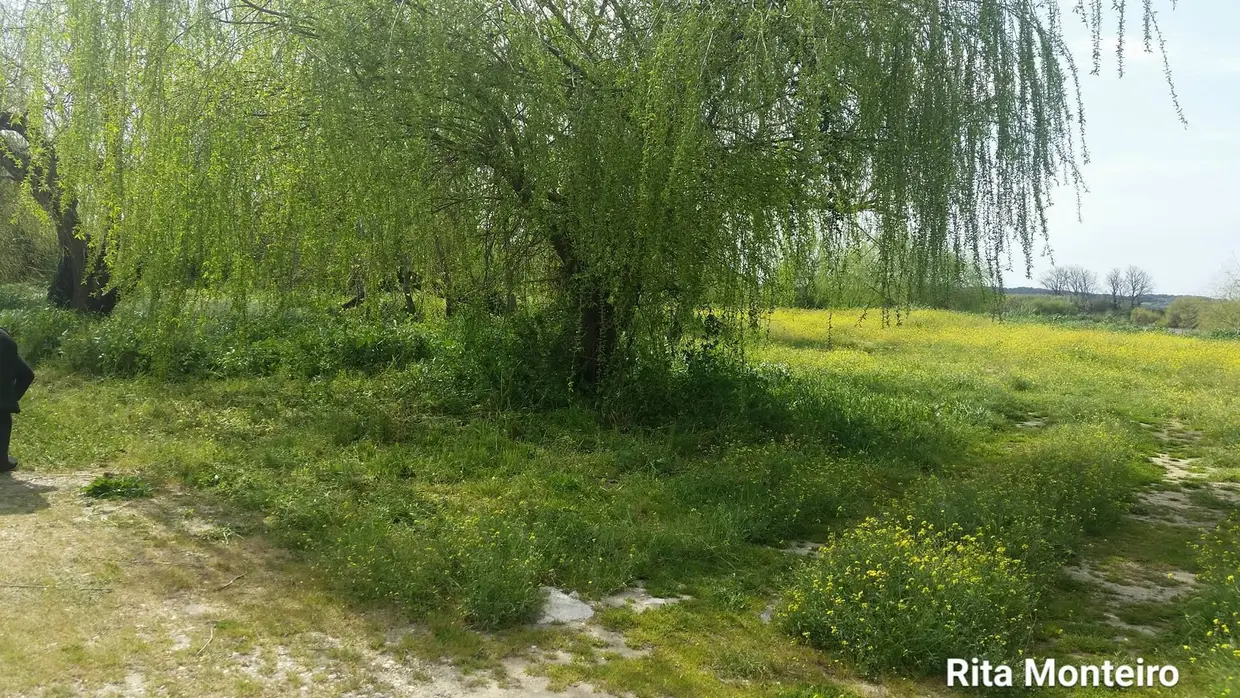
81, 282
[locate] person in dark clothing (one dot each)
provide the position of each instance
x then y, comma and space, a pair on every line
15, 378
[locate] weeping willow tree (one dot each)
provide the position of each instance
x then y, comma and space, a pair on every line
629, 162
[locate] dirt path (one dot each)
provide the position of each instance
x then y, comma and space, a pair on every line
148, 598
1185, 500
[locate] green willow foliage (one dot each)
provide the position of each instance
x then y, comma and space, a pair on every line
635, 160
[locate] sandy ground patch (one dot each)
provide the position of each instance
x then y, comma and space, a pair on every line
151, 598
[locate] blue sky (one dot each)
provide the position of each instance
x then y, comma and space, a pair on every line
1161, 196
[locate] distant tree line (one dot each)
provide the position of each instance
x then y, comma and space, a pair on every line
1128, 286
1122, 291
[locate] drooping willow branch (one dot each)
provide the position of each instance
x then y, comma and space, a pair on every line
649, 157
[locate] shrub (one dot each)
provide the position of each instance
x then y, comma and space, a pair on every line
305, 344
40, 332
27, 236
521, 361
21, 297
1051, 306
970, 299
1144, 316
892, 598
330, 346
495, 570
1096, 306
1220, 317
113, 347
1223, 334
1183, 312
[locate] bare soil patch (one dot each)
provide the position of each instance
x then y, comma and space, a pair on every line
153, 598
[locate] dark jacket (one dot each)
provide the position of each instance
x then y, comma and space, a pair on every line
15, 374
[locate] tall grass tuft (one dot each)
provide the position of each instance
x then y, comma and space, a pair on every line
1039, 498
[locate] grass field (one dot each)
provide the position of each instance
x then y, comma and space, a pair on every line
981, 489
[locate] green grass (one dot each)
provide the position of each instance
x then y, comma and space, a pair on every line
428, 485
109, 486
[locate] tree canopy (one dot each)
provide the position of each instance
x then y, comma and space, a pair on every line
630, 161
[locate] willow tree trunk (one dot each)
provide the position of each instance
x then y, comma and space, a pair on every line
596, 339
81, 281
596, 317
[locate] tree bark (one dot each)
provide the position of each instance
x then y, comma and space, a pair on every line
596, 318
596, 338
407, 282
81, 282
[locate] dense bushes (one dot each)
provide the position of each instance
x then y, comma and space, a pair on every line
723, 393
521, 362
1046, 306
40, 332
28, 246
1218, 319
1183, 313
213, 344
1144, 317
1221, 317
958, 569
19, 296
903, 597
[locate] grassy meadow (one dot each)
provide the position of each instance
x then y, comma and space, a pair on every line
955, 469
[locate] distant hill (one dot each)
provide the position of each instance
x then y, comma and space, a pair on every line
1155, 301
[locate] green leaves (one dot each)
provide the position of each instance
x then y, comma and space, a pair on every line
661, 156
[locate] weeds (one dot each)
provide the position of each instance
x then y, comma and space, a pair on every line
1212, 625
109, 486
905, 597
1040, 498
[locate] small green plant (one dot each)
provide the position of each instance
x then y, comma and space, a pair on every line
495, 570
109, 486
905, 597
1021, 384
